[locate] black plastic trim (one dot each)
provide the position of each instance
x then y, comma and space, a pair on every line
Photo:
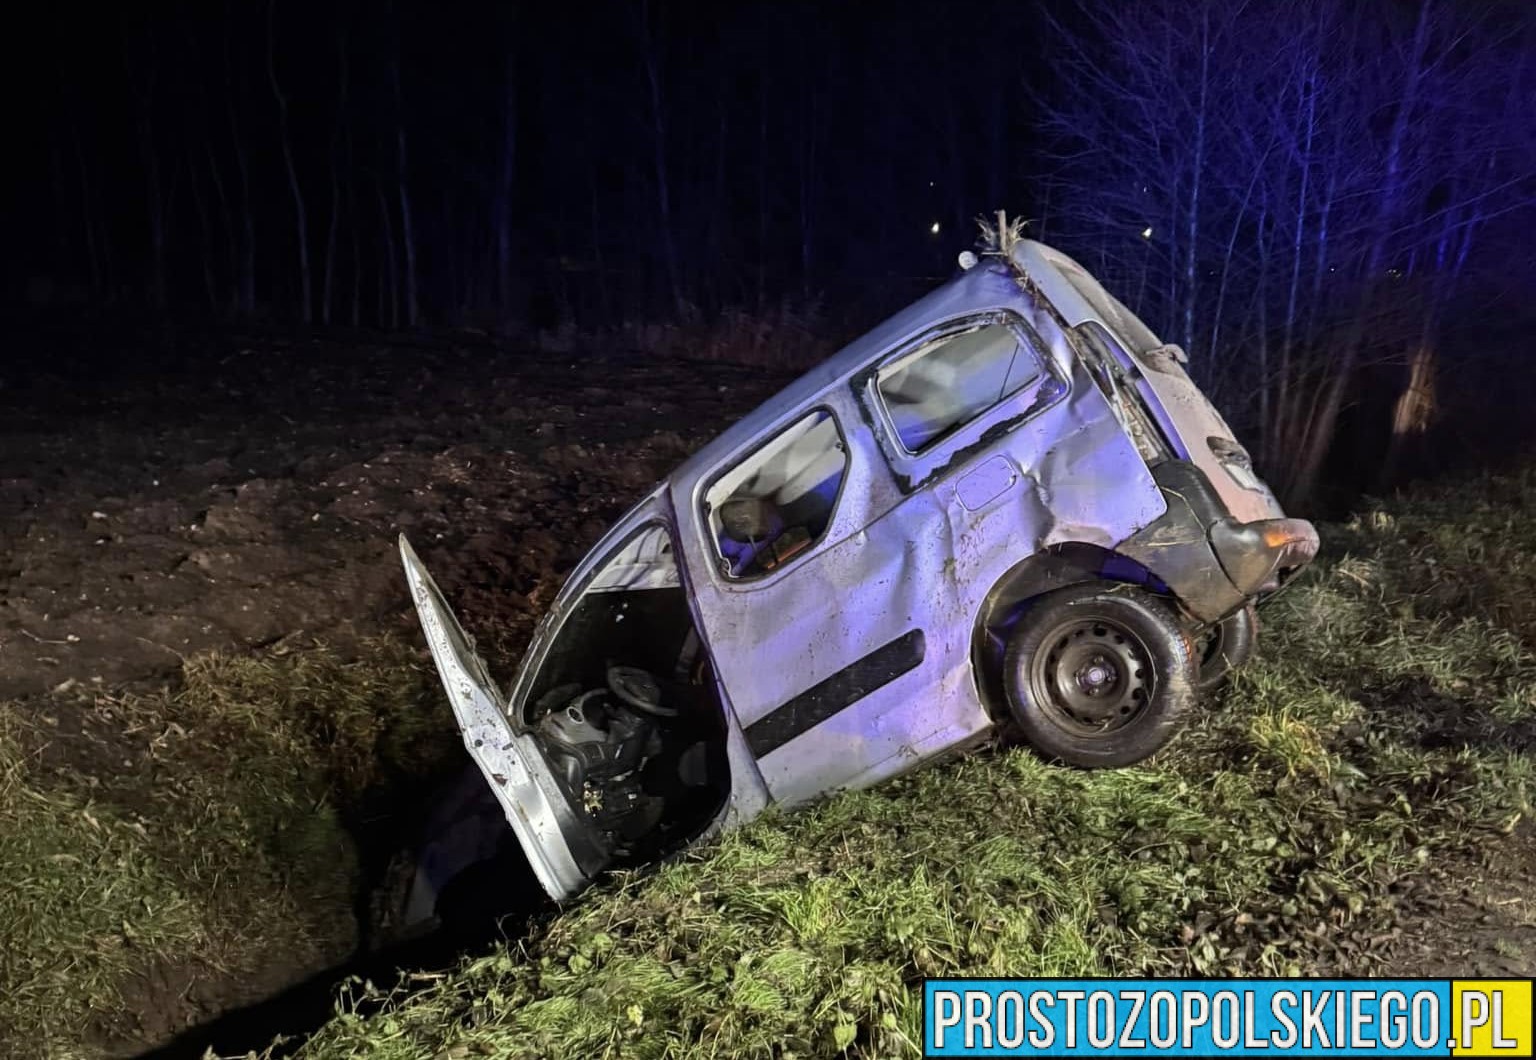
1177, 546
837, 693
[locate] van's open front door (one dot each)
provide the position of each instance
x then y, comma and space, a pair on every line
538, 812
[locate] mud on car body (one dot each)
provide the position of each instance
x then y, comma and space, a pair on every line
1006, 507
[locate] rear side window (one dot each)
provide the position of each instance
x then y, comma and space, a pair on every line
778, 502
944, 384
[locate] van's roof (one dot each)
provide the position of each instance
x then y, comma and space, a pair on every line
990, 285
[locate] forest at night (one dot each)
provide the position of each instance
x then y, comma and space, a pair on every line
288, 284
1294, 216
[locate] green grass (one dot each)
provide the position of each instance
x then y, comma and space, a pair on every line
1385, 726
83, 904
1388, 725
209, 833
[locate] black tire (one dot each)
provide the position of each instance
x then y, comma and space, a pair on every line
1099, 675
1225, 646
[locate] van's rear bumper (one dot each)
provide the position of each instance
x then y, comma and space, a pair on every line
1212, 562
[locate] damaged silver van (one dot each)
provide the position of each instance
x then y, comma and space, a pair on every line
1005, 508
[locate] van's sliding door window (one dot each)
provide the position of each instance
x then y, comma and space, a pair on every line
940, 387
778, 502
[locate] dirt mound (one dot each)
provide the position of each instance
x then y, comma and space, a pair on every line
253, 495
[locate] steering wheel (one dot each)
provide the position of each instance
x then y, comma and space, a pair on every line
636, 688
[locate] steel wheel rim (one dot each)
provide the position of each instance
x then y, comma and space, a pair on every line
1092, 677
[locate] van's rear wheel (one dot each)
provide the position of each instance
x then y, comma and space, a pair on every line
1225, 646
1099, 675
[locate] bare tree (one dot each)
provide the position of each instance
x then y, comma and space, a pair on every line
205, 232
806, 184
1282, 186
232, 243
402, 177
245, 285
336, 162
651, 59
143, 84
1275, 193
389, 274
95, 246
300, 221
354, 227
505, 185
1391, 198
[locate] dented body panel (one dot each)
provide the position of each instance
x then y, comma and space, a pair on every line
820, 591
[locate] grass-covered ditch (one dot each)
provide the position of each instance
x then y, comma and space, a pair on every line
169, 854
1387, 727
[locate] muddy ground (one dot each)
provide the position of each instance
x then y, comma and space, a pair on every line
168, 493
240, 492
164, 493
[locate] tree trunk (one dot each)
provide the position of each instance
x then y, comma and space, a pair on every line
88, 219
335, 218
205, 230
659, 163
301, 223
807, 184
1298, 242
1197, 164
595, 219
1322, 425
1266, 424
504, 188
393, 269
763, 163
407, 233
226, 224
153, 195
354, 226
720, 209
402, 188
245, 284
156, 206
1417, 406
1229, 264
